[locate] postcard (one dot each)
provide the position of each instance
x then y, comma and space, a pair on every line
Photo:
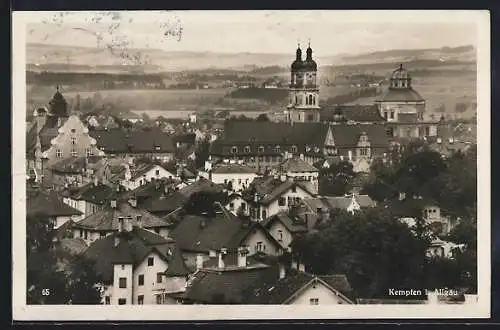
217, 165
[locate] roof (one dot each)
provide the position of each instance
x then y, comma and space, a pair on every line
142, 169
47, 203
338, 202
222, 168
281, 291
136, 141
356, 113
227, 286
400, 95
31, 138
270, 188
107, 219
100, 194
133, 247
298, 224
407, 118
346, 135
198, 233
296, 165
74, 164
408, 206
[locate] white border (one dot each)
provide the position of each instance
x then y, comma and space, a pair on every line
22, 312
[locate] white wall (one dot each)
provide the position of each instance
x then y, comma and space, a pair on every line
259, 236
236, 203
286, 238
150, 285
117, 291
324, 295
275, 208
147, 177
238, 180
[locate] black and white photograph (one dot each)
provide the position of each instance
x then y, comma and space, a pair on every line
312, 159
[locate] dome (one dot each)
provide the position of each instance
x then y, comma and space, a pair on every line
297, 64
400, 73
310, 64
400, 79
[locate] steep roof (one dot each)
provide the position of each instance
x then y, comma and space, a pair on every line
346, 135
300, 224
100, 194
280, 291
232, 168
47, 203
269, 188
107, 219
226, 286
356, 113
400, 95
31, 139
136, 141
297, 165
133, 247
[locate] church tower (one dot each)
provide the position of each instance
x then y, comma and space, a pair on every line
303, 103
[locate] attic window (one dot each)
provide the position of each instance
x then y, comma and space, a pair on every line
294, 149
247, 149
278, 149
234, 150
261, 149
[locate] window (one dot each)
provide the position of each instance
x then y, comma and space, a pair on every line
294, 189
310, 99
231, 206
59, 153
294, 149
280, 235
247, 149
73, 152
122, 301
151, 261
239, 181
364, 152
158, 299
314, 301
123, 267
259, 247
310, 117
157, 230
281, 201
234, 150
73, 140
88, 152
157, 172
102, 234
141, 280
86, 234
278, 149
392, 114
140, 300
264, 214
159, 277
261, 149
385, 114
81, 233
107, 300
122, 283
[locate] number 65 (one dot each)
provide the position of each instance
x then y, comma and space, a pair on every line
45, 292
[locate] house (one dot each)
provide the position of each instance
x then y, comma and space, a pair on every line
146, 142
89, 198
301, 288
130, 116
200, 236
234, 176
350, 203
136, 176
270, 195
77, 171
100, 121
297, 169
226, 277
107, 221
284, 226
138, 267
45, 203
236, 204
444, 249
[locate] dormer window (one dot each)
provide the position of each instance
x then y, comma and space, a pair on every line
277, 149
294, 149
234, 150
247, 149
261, 149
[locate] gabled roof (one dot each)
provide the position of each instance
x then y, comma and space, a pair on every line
356, 113
338, 202
133, 247
142, 169
222, 168
47, 203
296, 165
282, 291
227, 286
198, 233
297, 225
346, 135
100, 194
269, 188
136, 141
107, 219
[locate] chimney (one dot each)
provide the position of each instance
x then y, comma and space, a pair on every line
116, 240
242, 257
113, 203
138, 219
283, 177
301, 267
133, 202
120, 224
281, 270
255, 197
199, 262
221, 256
96, 182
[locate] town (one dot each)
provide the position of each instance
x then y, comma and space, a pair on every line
308, 204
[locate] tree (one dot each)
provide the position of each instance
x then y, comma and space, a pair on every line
262, 117
337, 179
84, 288
203, 202
375, 251
145, 118
202, 153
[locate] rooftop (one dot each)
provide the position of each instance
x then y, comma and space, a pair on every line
39, 201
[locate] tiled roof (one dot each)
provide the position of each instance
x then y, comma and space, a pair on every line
407, 118
280, 291
338, 202
133, 247
49, 131
269, 188
348, 135
232, 168
43, 202
107, 219
356, 113
74, 164
297, 225
400, 94
100, 194
137, 141
296, 165
226, 287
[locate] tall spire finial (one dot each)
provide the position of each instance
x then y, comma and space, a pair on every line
401, 66
309, 45
298, 43
57, 87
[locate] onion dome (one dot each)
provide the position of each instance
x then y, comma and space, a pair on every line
297, 64
309, 63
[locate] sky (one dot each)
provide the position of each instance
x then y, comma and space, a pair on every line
330, 32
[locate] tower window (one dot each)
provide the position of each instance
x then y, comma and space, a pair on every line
392, 114
294, 149
73, 140
310, 99
278, 149
88, 152
234, 150
73, 152
59, 153
247, 149
261, 149
296, 99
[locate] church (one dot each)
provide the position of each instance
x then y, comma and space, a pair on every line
263, 145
